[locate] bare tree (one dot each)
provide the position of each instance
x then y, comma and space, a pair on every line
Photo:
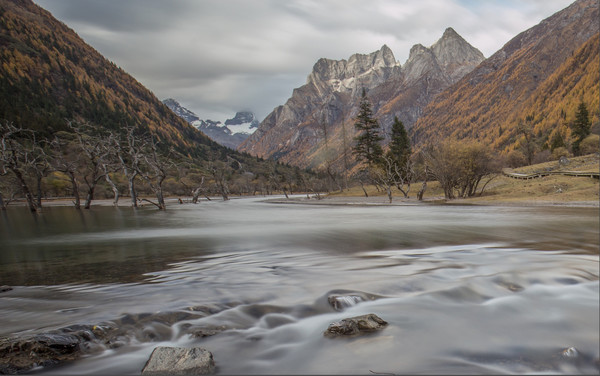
129, 151
96, 148
389, 174
423, 185
109, 168
154, 170
64, 159
220, 172
17, 155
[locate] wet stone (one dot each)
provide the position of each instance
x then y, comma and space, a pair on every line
179, 361
5, 288
207, 331
355, 326
340, 302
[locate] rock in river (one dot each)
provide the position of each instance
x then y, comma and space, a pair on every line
355, 326
179, 361
5, 288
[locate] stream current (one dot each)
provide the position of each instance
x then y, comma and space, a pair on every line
464, 289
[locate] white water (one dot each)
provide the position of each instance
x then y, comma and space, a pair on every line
464, 289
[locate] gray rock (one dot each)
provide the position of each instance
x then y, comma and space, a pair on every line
340, 302
179, 361
207, 331
570, 353
5, 288
355, 326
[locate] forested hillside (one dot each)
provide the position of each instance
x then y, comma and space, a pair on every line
49, 74
532, 87
73, 122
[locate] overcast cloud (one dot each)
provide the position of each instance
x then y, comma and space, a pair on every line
217, 57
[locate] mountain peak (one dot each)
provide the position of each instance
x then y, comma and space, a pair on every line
455, 55
450, 33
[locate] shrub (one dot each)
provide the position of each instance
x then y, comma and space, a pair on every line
590, 144
560, 152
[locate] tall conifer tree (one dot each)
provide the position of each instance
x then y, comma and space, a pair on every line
367, 148
400, 149
581, 127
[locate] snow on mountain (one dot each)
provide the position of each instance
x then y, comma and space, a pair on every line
230, 132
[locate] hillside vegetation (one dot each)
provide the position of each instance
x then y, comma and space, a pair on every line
554, 189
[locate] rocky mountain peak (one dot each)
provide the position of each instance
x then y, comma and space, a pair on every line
420, 61
292, 132
240, 118
450, 33
455, 55
359, 63
181, 111
348, 76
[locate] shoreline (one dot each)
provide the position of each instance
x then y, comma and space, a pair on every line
400, 201
335, 200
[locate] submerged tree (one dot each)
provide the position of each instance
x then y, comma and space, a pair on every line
154, 170
96, 146
18, 153
64, 159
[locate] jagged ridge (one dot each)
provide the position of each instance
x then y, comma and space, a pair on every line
295, 132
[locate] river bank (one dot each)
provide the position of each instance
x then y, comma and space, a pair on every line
438, 200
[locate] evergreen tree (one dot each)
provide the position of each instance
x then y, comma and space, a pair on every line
367, 148
581, 127
400, 149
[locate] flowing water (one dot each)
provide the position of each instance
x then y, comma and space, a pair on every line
465, 289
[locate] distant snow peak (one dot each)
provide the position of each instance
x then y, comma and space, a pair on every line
230, 132
181, 111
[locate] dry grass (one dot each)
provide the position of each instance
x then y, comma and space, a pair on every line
554, 189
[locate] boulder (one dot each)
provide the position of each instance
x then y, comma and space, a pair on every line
19, 355
5, 288
179, 361
355, 326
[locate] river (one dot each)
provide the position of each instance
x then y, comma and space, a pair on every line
464, 289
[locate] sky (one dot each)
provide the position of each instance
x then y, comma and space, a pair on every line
217, 57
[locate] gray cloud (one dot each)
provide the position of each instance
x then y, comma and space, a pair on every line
220, 56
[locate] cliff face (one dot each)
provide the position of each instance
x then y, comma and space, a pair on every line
543, 73
315, 125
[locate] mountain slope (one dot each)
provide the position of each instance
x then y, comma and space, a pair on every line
314, 127
542, 73
49, 74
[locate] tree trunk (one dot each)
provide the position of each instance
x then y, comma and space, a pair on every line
25, 190
114, 189
195, 195
422, 191
89, 197
160, 199
363, 188
132, 190
2, 205
39, 190
389, 193
75, 188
